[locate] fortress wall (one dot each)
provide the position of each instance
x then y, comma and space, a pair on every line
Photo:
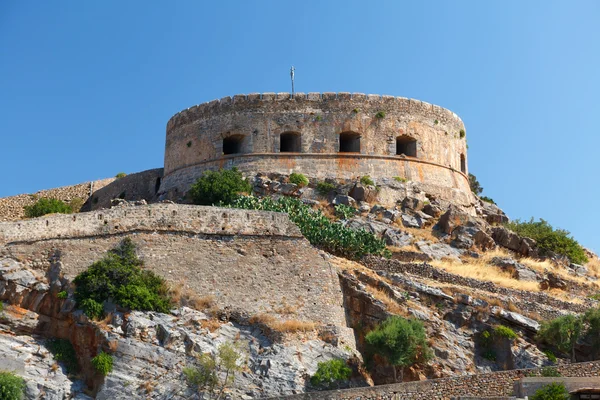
11, 208
195, 136
138, 186
250, 261
487, 385
150, 218
444, 182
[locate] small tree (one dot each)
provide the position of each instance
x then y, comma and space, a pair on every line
402, 342
212, 374
47, 206
562, 332
475, 186
222, 186
553, 391
591, 322
103, 363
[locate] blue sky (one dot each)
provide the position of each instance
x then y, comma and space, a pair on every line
86, 88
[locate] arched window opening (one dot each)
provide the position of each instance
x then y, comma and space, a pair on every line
463, 164
349, 142
406, 145
233, 144
290, 142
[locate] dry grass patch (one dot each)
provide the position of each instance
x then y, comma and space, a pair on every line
479, 269
288, 326
594, 267
188, 298
210, 324
423, 233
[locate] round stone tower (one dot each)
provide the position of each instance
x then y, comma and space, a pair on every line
328, 135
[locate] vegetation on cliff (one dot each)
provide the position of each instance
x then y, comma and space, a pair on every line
215, 187
63, 351
317, 228
402, 342
47, 206
118, 276
11, 386
212, 374
549, 239
103, 363
331, 372
565, 331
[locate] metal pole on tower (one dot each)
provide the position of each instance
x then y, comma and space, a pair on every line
292, 70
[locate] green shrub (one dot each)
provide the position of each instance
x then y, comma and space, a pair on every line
118, 276
367, 181
1, 306
12, 387
323, 188
64, 352
549, 372
549, 239
299, 179
505, 332
317, 228
487, 199
103, 363
189, 144
62, 295
47, 206
436, 122
402, 342
344, 212
380, 114
91, 308
332, 371
462, 133
215, 187
355, 111
400, 179
595, 296
553, 391
120, 175
550, 355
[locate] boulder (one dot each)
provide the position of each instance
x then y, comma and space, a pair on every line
377, 209
360, 192
492, 213
410, 221
343, 199
432, 210
517, 319
517, 271
510, 240
412, 203
452, 219
392, 215
553, 281
438, 251
397, 238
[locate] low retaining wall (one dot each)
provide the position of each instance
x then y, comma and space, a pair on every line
495, 384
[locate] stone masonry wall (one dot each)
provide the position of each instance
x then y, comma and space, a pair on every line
251, 262
485, 385
11, 208
194, 140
